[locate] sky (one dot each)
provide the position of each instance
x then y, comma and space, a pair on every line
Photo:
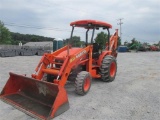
51, 18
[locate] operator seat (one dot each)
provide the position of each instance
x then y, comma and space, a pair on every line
95, 51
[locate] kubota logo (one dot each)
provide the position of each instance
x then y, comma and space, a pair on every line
72, 59
78, 55
81, 53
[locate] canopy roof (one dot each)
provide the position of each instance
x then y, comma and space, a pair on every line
90, 24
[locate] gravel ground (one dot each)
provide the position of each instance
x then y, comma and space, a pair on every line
134, 95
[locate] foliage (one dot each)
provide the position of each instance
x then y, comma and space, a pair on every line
24, 38
75, 41
134, 44
5, 37
101, 39
137, 45
157, 44
119, 41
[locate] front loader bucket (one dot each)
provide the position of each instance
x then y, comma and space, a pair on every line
36, 98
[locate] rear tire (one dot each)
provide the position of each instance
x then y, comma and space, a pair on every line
83, 82
108, 68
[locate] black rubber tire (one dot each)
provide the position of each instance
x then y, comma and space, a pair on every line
83, 83
72, 77
73, 74
108, 68
50, 78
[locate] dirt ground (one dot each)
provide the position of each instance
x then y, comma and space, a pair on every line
133, 95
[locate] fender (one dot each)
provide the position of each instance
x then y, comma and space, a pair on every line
102, 55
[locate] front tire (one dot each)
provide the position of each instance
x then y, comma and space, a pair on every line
108, 68
50, 78
83, 82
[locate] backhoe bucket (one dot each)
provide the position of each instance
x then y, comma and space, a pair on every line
36, 98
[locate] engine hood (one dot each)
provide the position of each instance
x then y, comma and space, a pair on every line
72, 51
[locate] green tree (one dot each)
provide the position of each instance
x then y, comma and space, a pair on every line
101, 39
34, 39
75, 41
119, 41
5, 37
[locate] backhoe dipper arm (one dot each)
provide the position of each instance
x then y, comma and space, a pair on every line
113, 41
112, 45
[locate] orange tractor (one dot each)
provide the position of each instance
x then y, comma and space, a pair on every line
43, 95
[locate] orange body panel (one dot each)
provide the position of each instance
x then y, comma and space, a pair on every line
82, 23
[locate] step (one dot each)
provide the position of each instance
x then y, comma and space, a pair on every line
95, 66
57, 63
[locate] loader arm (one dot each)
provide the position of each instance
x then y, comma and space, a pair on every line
46, 60
82, 56
69, 62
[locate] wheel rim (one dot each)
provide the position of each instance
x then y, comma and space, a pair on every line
86, 84
112, 69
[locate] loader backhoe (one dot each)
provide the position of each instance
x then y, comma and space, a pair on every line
43, 95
